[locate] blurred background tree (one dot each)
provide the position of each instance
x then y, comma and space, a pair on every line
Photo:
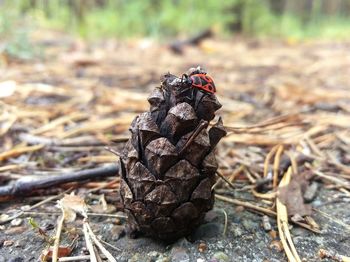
168, 18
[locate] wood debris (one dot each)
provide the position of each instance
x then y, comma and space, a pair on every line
286, 108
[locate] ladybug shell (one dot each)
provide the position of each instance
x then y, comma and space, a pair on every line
204, 82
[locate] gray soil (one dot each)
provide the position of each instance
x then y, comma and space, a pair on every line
245, 238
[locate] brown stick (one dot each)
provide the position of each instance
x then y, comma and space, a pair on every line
226, 180
177, 46
196, 132
262, 210
25, 187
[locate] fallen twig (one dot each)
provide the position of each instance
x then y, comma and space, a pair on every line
225, 225
10, 167
334, 219
177, 46
18, 151
271, 195
246, 204
225, 179
193, 136
105, 185
20, 213
282, 223
68, 142
25, 187
58, 213
276, 165
333, 179
98, 243
75, 258
333, 255
88, 242
268, 122
109, 245
267, 160
57, 239
59, 121
262, 210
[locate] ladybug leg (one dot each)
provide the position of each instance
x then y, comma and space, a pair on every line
186, 84
184, 91
185, 80
192, 94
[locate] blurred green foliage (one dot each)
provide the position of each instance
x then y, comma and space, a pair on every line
124, 18
14, 35
167, 18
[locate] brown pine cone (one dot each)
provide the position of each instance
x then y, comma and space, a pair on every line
168, 166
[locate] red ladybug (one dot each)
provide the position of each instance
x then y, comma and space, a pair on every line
204, 82
201, 81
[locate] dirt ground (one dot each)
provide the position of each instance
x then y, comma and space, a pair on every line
282, 101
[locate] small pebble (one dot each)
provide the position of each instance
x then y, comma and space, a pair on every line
250, 225
221, 256
25, 208
297, 218
202, 247
153, 255
297, 240
237, 230
297, 231
8, 243
117, 221
49, 226
311, 192
135, 258
184, 243
239, 209
157, 257
4, 217
319, 240
15, 230
317, 203
117, 232
220, 245
16, 222
276, 245
16, 259
266, 223
179, 254
208, 230
273, 234
84, 251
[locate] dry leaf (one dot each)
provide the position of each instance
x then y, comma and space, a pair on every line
70, 205
46, 255
276, 245
292, 197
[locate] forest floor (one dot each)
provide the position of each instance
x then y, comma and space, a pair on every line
286, 106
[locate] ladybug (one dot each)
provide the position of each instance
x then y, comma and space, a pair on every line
200, 81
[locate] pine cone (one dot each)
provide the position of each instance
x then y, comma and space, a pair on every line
168, 166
